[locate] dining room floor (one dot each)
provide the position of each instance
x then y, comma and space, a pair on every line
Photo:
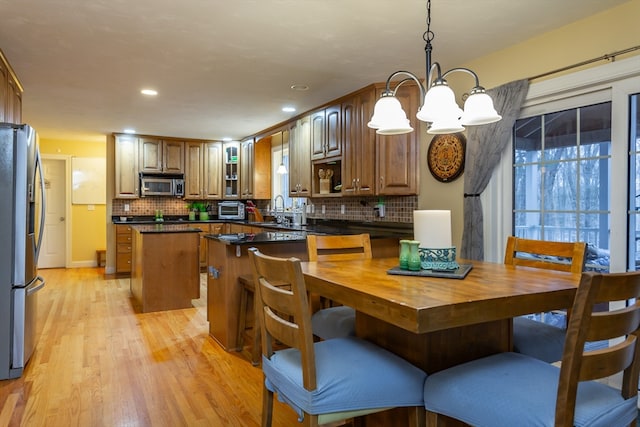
99, 363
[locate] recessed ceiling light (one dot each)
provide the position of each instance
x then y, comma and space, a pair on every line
149, 92
227, 139
129, 131
288, 109
299, 87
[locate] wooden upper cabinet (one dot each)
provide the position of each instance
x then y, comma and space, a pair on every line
333, 120
10, 94
261, 169
326, 133
246, 169
317, 135
231, 169
4, 91
398, 156
194, 170
359, 145
212, 177
161, 156
14, 101
300, 158
126, 167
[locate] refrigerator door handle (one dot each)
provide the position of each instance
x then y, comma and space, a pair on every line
35, 288
42, 206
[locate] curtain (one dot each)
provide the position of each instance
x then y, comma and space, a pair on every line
484, 148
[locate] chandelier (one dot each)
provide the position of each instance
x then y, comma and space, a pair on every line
439, 107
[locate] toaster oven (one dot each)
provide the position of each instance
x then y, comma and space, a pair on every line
231, 210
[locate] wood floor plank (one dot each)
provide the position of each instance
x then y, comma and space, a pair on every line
99, 363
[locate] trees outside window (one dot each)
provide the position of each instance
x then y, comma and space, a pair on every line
561, 179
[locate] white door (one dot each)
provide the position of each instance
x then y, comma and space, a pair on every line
52, 253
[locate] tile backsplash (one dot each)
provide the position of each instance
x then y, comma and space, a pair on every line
397, 209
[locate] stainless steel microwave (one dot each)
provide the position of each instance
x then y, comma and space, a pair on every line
161, 185
230, 210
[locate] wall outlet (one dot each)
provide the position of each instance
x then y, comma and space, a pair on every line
323, 210
126, 207
342, 209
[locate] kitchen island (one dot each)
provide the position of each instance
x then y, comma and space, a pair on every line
228, 259
166, 268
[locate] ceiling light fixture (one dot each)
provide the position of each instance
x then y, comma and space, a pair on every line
149, 92
282, 169
288, 109
439, 107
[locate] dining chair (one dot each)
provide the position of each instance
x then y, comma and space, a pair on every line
324, 381
512, 389
331, 321
531, 337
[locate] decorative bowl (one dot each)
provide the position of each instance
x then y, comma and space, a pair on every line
438, 258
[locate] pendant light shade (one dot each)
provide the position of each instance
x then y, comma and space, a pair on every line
478, 109
282, 169
389, 118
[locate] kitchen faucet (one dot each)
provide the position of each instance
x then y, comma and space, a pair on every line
275, 202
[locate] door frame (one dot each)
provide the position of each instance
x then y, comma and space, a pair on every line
67, 202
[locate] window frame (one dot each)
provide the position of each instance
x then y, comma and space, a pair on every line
609, 82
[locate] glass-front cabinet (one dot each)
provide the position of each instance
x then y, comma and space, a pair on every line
231, 158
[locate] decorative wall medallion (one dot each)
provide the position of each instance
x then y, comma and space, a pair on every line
445, 157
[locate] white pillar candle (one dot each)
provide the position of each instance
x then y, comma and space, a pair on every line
432, 228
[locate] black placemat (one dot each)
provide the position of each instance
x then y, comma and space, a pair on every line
459, 273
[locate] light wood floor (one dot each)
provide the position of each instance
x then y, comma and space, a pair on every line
98, 363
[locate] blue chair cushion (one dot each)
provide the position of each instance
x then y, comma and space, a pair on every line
511, 389
351, 374
334, 322
537, 339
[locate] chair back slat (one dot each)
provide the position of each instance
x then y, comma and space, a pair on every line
623, 324
283, 313
545, 254
338, 248
606, 324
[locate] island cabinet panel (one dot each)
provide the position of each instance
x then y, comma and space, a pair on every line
166, 274
226, 263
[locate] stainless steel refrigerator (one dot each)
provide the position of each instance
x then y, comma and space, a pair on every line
21, 227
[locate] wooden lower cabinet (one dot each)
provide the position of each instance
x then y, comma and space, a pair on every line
124, 249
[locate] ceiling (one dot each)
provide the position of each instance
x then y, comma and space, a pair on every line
225, 68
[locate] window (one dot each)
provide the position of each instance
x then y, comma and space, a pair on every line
280, 182
561, 179
634, 183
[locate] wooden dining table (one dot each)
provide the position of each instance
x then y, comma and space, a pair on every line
436, 322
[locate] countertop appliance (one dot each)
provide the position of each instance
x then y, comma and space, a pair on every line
21, 226
231, 210
161, 185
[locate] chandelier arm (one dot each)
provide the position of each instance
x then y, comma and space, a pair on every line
466, 70
410, 77
434, 68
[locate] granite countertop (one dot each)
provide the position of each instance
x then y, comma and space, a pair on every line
264, 237
375, 230
168, 219
165, 228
